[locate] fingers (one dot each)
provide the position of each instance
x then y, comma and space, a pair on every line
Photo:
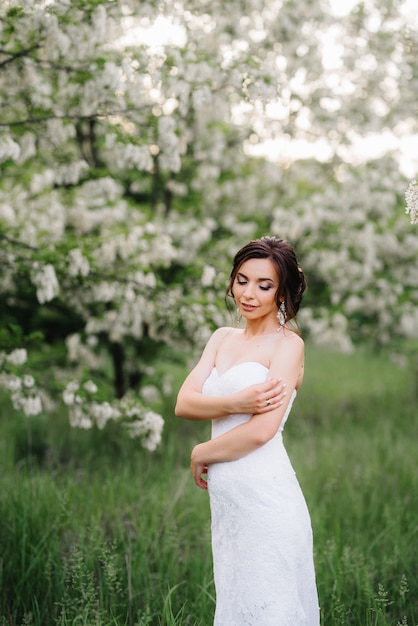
203, 478
274, 383
200, 474
272, 396
202, 483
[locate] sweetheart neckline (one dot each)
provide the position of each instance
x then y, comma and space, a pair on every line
237, 365
215, 369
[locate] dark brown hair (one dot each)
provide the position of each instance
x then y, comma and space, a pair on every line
292, 283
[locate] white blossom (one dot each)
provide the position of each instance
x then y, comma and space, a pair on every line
27, 147
101, 413
78, 264
17, 357
78, 418
60, 130
7, 213
208, 275
129, 156
201, 96
9, 149
30, 405
176, 188
409, 322
42, 180
80, 352
147, 279
68, 394
148, 428
99, 22
28, 381
101, 191
12, 383
411, 196
150, 394
90, 386
70, 174
169, 143
45, 280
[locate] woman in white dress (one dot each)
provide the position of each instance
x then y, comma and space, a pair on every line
246, 382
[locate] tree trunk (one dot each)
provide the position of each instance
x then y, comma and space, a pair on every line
118, 358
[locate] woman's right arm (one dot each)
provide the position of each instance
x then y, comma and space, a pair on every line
192, 404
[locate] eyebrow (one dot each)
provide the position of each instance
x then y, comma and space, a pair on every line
260, 280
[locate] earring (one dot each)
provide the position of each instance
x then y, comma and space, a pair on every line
239, 317
281, 314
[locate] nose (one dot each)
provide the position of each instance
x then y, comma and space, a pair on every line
249, 291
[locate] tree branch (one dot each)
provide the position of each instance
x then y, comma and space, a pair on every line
93, 273
93, 116
20, 244
16, 56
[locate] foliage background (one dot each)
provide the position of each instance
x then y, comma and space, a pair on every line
95, 530
130, 135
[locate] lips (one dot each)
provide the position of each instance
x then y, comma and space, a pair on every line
248, 307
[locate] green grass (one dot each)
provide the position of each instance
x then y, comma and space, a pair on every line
96, 531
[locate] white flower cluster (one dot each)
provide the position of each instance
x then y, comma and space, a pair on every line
9, 149
78, 264
328, 332
171, 145
84, 412
23, 392
208, 275
80, 352
146, 425
19, 356
411, 196
141, 254
70, 173
348, 240
46, 282
123, 156
30, 404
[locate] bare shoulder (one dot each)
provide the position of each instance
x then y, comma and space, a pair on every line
220, 333
292, 338
287, 358
291, 342
208, 358
218, 336
223, 330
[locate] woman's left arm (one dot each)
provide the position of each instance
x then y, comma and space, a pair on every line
241, 440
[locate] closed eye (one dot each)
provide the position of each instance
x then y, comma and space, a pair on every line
262, 287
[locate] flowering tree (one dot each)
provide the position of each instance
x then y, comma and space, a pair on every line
411, 196
127, 185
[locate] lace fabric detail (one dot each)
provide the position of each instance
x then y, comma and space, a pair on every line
261, 530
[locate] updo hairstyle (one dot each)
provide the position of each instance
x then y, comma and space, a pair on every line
292, 283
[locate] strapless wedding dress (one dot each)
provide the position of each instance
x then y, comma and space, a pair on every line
261, 530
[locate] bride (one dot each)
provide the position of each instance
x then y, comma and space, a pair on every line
245, 383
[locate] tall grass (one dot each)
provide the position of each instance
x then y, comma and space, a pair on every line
96, 531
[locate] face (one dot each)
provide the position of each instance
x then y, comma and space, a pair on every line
255, 288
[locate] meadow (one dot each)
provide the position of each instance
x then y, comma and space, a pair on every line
95, 530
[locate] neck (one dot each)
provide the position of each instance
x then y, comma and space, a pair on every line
257, 329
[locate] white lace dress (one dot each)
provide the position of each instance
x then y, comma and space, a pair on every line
261, 530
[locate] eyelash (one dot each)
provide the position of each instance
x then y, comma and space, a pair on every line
243, 282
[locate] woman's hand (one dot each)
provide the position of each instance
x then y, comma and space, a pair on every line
260, 398
198, 467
